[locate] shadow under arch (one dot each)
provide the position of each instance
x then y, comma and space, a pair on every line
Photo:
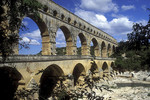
68, 39
95, 47
109, 50
48, 81
113, 66
103, 50
84, 50
113, 49
9, 82
78, 72
105, 69
44, 33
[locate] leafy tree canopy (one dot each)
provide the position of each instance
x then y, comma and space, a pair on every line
12, 12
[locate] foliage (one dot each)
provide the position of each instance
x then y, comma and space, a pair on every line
79, 51
12, 12
139, 37
84, 90
134, 54
61, 51
132, 60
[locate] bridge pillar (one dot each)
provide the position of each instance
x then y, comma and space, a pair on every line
88, 50
84, 50
46, 45
97, 52
71, 50
109, 53
104, 52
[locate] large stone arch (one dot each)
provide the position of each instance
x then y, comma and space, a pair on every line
96, 47
69, 40
109, 50
48, 81
78, 73
9, 78
84, 46
103, 50
44, 34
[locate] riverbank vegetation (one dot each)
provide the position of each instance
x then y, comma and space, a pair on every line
134, 54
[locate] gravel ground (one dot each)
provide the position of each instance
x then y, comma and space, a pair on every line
127, 88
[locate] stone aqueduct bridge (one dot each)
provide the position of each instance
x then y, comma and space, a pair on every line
52, 18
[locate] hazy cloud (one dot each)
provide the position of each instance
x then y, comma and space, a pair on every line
60, 44
29, 41
25, 23
102, 6
34, 34
144, 7
127, 7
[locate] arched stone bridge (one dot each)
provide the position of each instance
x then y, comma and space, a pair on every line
51, 18
23, 71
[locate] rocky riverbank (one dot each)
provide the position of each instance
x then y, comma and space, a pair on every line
128, 86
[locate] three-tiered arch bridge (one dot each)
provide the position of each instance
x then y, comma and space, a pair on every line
23, 68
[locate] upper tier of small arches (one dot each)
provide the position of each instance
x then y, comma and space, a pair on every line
64, 15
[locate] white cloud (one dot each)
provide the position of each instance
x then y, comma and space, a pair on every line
97, 20
60, 36
120, 25
102, 6
34, 34
127, 7
117, 26
117, 15
29, 41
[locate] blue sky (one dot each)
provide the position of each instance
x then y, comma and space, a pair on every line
115, 17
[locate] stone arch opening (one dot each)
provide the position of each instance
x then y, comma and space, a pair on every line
68, 50
95, 48
60, 43
55, 13
105, 69
68, 38
83, 48
49, 80
80, 25
103, 50
37, 36
75, 23
78, 73
113, 49
84, 27
9, 82
62, 17
69, 20
109, 50
113, 66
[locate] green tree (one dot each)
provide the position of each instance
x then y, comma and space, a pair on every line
140, 36
11, 15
